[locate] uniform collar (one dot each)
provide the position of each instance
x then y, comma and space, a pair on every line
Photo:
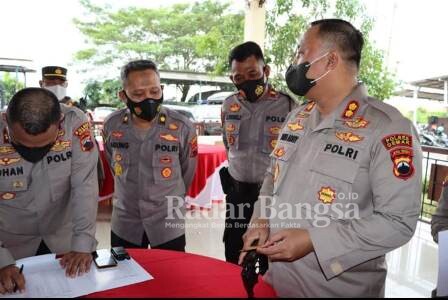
346, 110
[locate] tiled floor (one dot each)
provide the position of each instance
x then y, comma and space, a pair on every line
412, 268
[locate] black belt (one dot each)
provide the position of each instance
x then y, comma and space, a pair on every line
245, 187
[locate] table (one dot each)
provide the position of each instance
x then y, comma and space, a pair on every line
178, 274
206, 185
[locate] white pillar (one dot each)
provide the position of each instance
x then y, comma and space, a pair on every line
255, 22
445, 92
415, 98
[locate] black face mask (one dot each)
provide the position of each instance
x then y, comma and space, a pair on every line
33, 154
296, 78
253, 89
146, 109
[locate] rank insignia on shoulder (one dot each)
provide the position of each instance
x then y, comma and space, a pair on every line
309, 107
162, 119
356, 123
327, 195
403, 163
397, 140
169, 137
351, 109
349, 137
235, 107
125, 119
6, 136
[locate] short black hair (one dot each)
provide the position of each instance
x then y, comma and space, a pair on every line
35, 109
138, 65
244, 51
348, 39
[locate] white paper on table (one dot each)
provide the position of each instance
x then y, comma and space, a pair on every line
46, 279
442, 284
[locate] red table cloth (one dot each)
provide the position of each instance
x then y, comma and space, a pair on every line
210, 157
178, 274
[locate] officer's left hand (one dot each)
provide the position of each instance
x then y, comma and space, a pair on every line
76, 263
287, 245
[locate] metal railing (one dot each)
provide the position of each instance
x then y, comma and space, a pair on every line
435, 166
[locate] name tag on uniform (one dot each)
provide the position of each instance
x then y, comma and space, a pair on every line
119, 145
233, 117
291, 138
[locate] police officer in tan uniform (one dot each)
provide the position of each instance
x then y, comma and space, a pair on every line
152, 151
48, 185
344, 185
251, 120
54, 79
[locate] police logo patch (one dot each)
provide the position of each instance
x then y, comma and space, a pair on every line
60, 146
295, 126
169, 137
327, 195
118, 157
403, 165
87, 143
356, 123
8, 196
83, 130
230, 140
230, 127
167, 172
6, 161
397, 140
349, 137
235, 107
351, 109
279, 152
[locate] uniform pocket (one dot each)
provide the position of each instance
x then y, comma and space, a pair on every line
331, 180
166, 168
13, 192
